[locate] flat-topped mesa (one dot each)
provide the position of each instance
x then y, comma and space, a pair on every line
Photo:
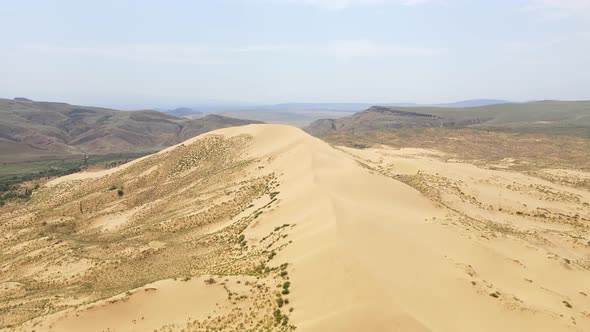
568, 118
378, 118
22, 99
396, 112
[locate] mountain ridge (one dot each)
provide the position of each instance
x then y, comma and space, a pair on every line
31, 130
553, 117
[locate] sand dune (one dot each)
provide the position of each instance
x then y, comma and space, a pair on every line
376, 239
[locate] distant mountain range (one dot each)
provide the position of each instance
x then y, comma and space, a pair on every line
471, 103
184, 111
32, 130
554, 117
334, 107
302, 114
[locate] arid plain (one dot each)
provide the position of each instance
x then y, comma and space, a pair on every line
266, 228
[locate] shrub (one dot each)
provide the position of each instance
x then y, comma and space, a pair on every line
286, 286
259, 269
120, 192
277, 315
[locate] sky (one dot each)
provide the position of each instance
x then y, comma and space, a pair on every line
133, 54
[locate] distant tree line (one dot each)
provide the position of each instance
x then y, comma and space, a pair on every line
115, 163
13, 188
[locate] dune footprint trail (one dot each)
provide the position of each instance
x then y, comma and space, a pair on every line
265, 228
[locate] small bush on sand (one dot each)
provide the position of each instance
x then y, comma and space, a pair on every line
277, 315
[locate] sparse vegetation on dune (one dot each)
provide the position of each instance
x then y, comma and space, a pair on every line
172, 215
548, 184
517, 150
265, 228
17, 181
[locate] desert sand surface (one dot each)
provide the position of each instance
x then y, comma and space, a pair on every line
265, 228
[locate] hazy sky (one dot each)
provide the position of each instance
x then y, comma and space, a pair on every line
151, 53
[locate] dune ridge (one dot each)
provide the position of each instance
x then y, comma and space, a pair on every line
250, 217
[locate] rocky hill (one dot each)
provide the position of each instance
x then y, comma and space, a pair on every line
383, 118
45, 130
547, 117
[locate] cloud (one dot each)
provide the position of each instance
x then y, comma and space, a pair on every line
343, 4
144, 53
197, 54
558, 9
343, 48
364, 48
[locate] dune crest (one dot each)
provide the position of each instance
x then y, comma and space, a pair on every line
268, 228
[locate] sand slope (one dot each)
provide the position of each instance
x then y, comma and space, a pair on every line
376, 240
